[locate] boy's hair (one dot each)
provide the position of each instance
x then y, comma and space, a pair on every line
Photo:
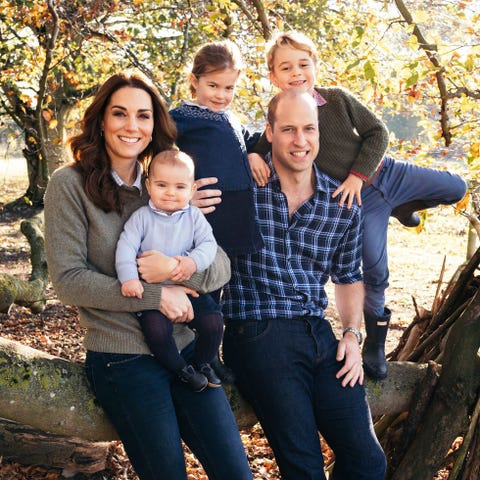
174, 158
216, 57
292, 39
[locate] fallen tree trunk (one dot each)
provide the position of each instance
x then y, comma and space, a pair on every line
27, 445
29, 293
52, 394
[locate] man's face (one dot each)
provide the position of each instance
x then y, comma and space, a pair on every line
294, 135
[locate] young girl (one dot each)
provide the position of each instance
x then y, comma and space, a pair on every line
213, 136
353, 141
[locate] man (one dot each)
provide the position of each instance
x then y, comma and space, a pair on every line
298, 377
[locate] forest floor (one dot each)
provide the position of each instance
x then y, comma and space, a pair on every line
416, 260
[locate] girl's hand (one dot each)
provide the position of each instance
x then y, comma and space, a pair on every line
350, 190
206, 200
260, 170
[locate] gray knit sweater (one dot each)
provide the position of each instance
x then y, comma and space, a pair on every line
80, 245
352, 138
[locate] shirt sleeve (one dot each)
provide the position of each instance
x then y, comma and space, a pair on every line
128, 247
205, 245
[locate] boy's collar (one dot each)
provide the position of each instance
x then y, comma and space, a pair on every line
318, 98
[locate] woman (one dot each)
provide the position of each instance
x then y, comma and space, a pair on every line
86, 205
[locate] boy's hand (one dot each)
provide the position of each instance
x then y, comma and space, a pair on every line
155, 267
260, 170
184, 270
350, 189
132, 288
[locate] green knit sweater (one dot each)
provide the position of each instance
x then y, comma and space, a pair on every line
352, 138
80, 246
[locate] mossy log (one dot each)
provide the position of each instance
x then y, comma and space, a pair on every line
52, 394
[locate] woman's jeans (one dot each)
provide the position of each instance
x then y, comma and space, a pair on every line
152, 411
396, 184
286, 369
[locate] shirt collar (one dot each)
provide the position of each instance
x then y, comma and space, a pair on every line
163, 213
138, 180
193, 104
318, 98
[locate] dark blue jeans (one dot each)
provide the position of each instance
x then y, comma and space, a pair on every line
152, 411
286, 368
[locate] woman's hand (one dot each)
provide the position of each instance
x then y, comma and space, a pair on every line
155, 267
175, 304
206, 200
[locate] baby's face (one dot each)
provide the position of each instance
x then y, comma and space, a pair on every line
293, 68
170, 187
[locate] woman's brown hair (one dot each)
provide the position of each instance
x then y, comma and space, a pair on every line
88, 147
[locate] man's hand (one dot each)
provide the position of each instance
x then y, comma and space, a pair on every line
350, 189
132, 288
348, 351
260, 170
155, 267
206, 200
185, 268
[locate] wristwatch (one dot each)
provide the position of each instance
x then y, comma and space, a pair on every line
356, 332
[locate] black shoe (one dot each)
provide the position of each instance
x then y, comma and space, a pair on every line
373, 353
207, 370
195, 380
225, 374
407, 214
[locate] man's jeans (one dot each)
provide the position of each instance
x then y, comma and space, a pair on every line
152, 410
286, 368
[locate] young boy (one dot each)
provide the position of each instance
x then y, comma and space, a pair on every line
171, 225
353, 142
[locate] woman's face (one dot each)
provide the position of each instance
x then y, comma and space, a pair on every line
127, 125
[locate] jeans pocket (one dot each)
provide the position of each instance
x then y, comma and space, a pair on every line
247, 331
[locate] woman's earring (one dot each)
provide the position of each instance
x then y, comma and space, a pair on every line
101, 133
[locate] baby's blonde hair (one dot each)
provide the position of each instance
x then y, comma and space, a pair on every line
292, 39
174, 158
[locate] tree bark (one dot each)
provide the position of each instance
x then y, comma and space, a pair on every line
29, 293
452, 401
52, 394
28, 446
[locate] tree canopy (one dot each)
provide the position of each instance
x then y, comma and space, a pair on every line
415, 63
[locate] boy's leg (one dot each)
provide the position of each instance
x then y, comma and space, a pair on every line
157, 329
208, 322
408, 188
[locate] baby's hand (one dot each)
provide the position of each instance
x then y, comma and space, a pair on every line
184, 270
350, 189
260, 170
132, 288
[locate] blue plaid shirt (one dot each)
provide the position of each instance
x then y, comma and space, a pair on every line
287, 277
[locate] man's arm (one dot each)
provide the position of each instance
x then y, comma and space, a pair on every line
349, 299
